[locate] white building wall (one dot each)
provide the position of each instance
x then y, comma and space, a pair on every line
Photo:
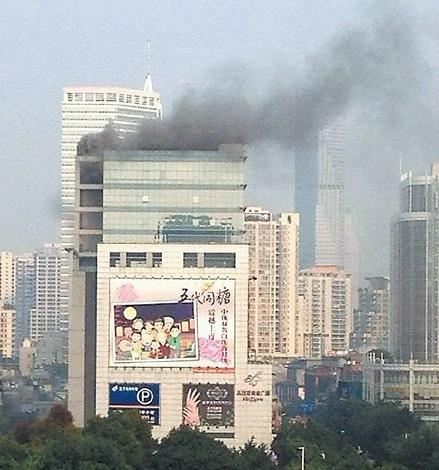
253, 383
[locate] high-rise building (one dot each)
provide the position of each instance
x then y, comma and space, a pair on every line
7, 330
88, 110
7, 277
46, 316
415, 269
352, 253
319, 197
371, 326
329, 238
274, 263
25, 287
325, 306
172, 271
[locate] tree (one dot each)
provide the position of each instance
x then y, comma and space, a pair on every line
191, 449
252, 457
126, 431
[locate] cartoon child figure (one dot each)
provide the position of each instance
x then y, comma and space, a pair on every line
162, 336
136, 351
155, 349
146, 339
174, 341
137, 324
168, 322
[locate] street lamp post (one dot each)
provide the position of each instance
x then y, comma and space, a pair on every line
303, 456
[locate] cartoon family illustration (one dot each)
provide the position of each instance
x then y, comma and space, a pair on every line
154, 338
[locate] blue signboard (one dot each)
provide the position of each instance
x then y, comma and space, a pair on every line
144, 397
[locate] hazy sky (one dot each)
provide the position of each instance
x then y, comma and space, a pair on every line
47, 44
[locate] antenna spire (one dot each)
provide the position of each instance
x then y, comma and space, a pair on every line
148, 56
148, 81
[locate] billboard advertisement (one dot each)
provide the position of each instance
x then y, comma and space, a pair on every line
144, 397
209, 405
177, 322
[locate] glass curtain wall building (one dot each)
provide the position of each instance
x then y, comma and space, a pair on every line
414, 269
144, 197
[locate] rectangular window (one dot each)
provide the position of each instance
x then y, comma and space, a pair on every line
136, 259
111, 96
219, 260
129, 98
137, 99
157, 260
190, 260
89, 97
114, 259
99, 97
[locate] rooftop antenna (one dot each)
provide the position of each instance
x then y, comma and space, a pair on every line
148, 82
148, 56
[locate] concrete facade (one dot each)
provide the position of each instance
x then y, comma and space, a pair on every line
274, 263
252, 401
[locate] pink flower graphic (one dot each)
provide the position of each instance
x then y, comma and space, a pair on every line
210, 349
126, 293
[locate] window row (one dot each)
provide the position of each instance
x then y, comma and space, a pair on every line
155, 260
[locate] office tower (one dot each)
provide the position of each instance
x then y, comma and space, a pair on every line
274, 262
319, 197
166, 227
47, 316
25, 287
329, 238
88, 110
372, 317
414, 269
7, 277
325, 304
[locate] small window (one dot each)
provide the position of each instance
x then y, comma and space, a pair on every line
79, 97
129, 98
137, 99
157, 260
99, 97
151, 101
111, 96
121, 98
89, 97
190, 260
114, 259
219, 260
136, 259
69, 96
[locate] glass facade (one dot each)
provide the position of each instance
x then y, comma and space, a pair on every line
414, 271
173, 196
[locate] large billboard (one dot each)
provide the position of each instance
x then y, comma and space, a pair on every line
209, 405
144, 397
177, 322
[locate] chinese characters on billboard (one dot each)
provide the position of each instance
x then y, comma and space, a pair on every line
144, 397
185, 322
208, 405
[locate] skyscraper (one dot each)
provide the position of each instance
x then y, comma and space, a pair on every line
319, 197
274, 263
415, 269
330, 209
325, 305
87, 110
